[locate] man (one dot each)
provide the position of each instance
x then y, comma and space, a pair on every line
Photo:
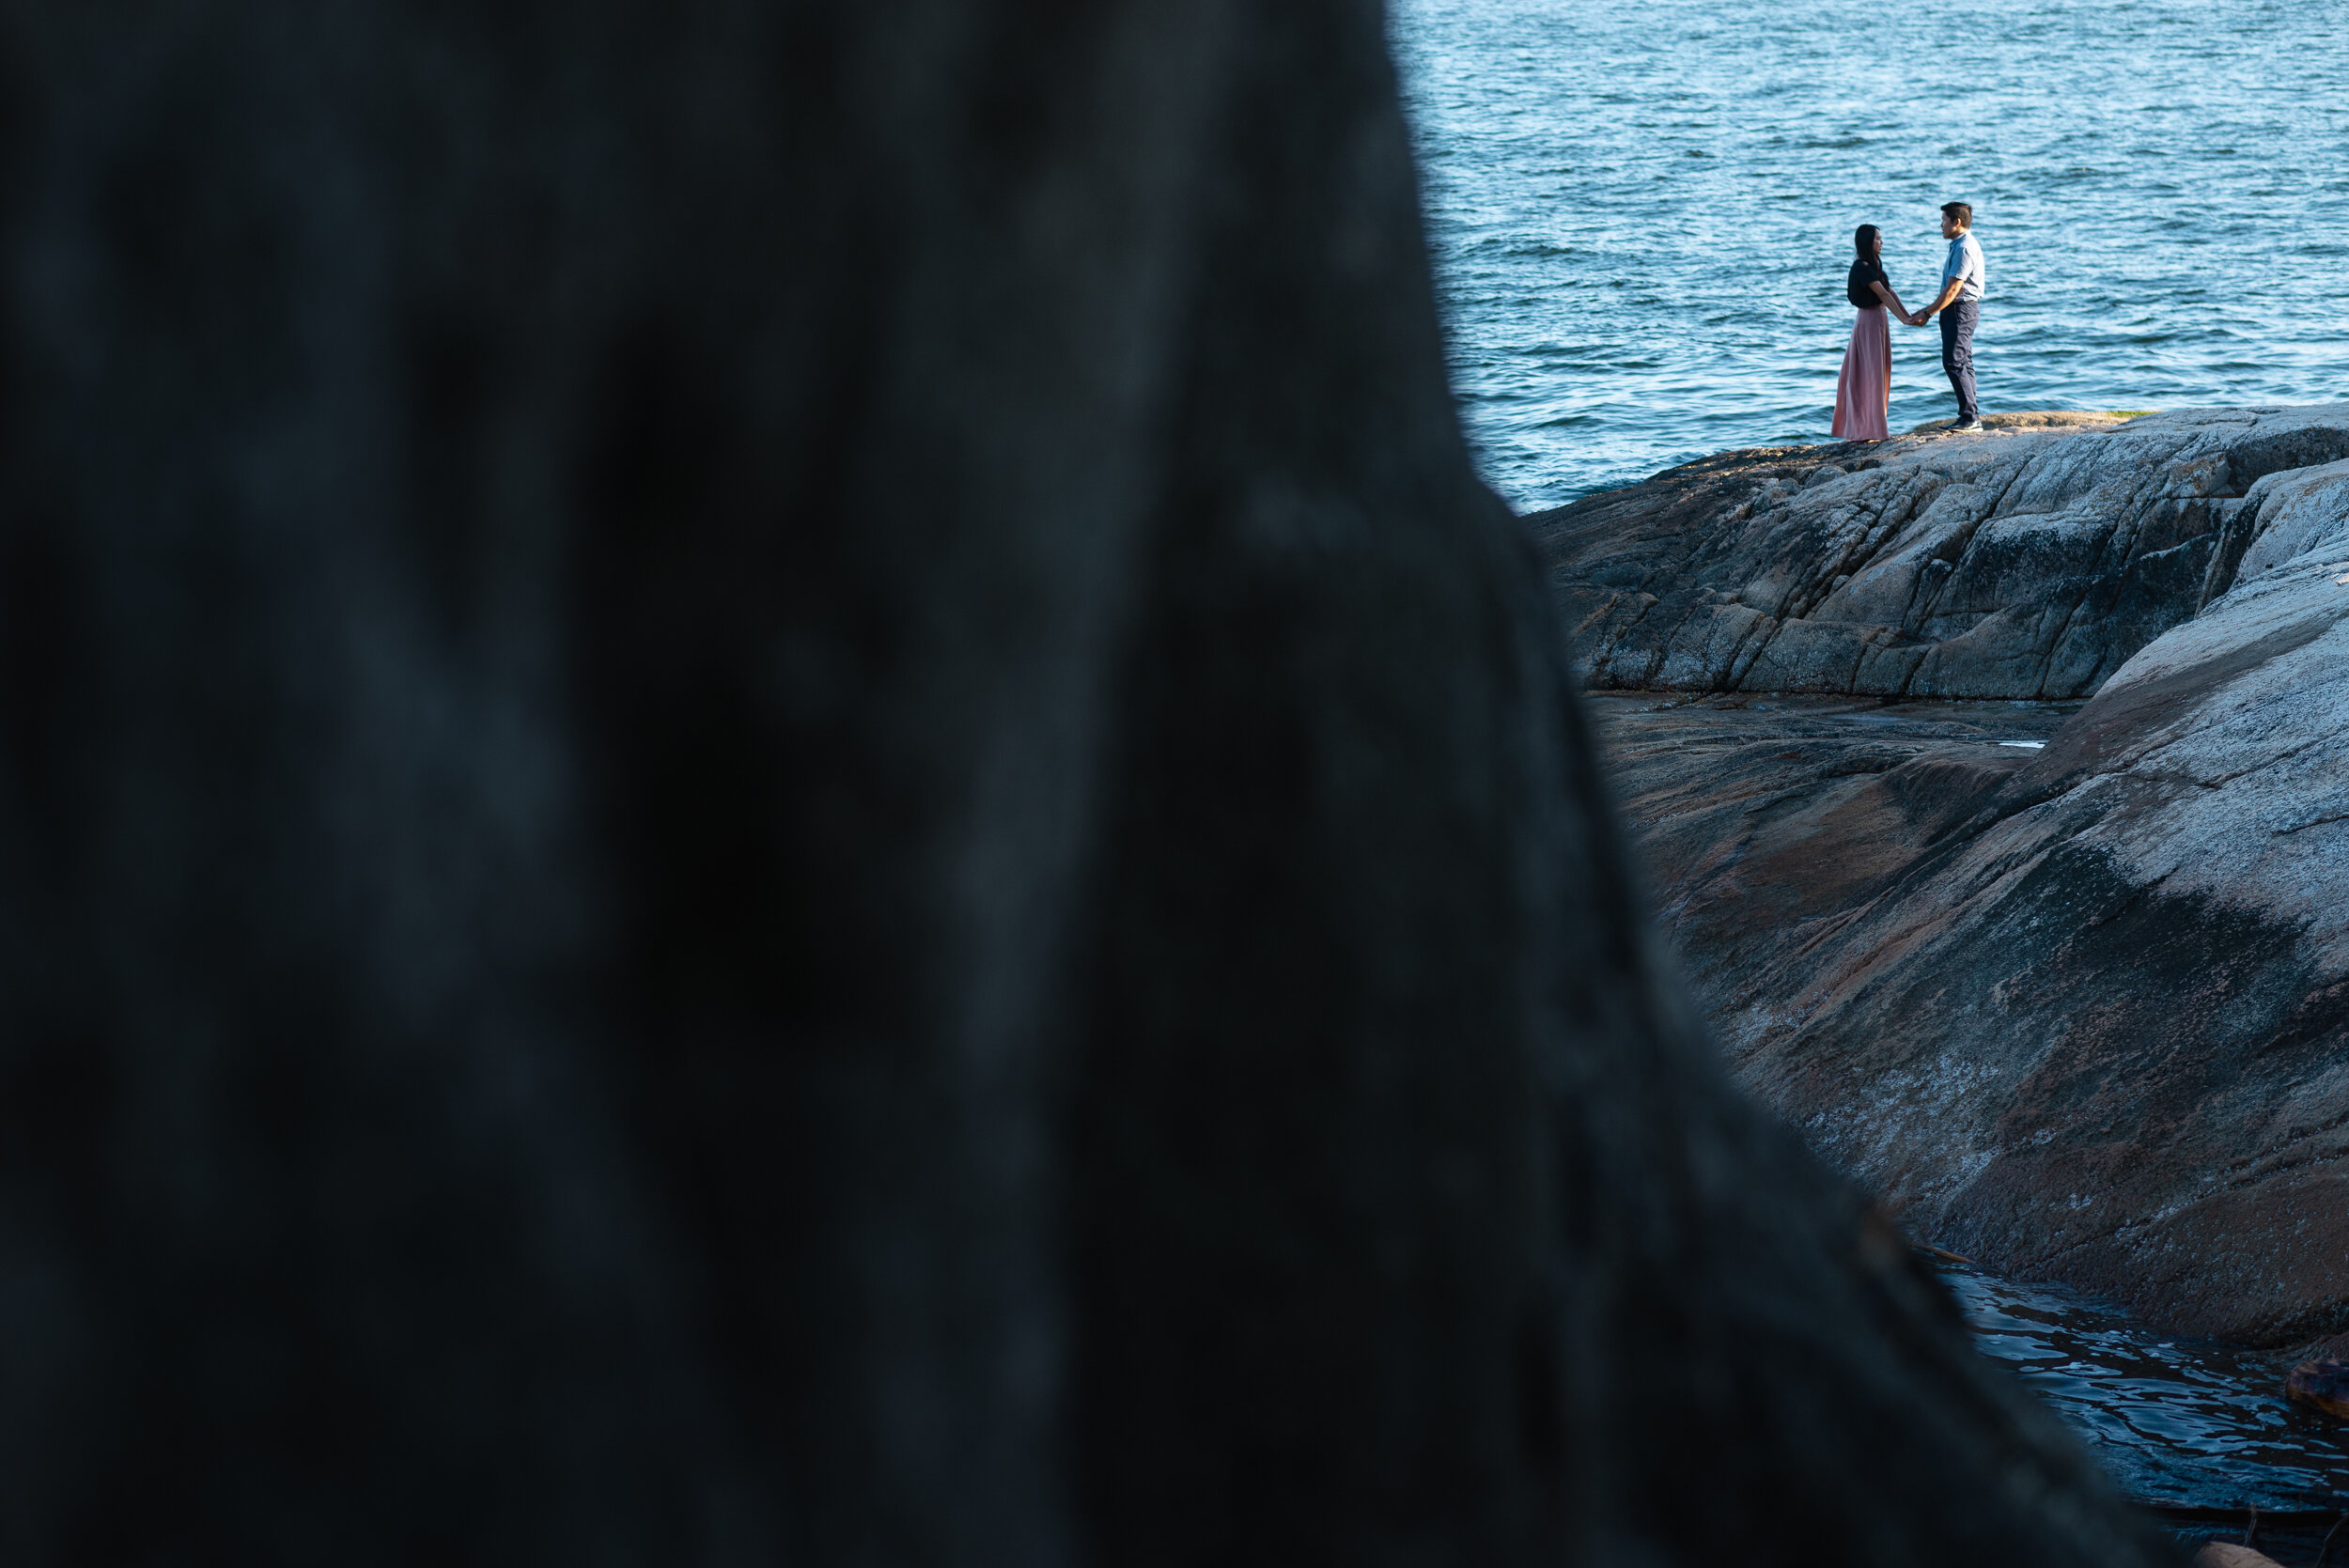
1960, 306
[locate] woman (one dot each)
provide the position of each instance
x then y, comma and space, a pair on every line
1864, 393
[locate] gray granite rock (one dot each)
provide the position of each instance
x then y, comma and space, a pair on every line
2027, 560
2067, 988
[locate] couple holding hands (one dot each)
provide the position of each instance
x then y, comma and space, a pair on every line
1864, 393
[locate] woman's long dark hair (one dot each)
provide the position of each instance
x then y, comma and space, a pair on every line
1863, 239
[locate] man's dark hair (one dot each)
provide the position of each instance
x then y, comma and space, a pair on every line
1960, 210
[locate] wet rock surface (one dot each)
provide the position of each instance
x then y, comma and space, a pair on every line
2322, 1386
2028, 560
2078, 1010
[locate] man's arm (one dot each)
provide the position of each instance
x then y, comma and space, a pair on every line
1950, 288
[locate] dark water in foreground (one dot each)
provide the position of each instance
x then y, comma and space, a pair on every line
1641, 211
2186, 1423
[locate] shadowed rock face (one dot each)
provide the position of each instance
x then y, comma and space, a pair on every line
2030, 560
2081, 1012
771, 792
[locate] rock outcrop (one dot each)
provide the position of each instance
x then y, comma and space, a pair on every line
771, 791
2067, 985
2029, 560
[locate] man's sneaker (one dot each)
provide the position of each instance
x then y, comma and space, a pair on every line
1966, 424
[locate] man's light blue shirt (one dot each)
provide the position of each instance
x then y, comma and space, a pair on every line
1965, 262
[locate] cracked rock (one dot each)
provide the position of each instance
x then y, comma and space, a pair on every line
2030, 561
1993, 976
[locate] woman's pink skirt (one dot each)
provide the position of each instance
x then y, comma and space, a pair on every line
1864, 391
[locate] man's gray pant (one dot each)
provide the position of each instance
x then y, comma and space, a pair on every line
1957, 354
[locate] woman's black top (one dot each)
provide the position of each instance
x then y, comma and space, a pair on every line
1863, 275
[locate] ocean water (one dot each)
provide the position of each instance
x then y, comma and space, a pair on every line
1641, 211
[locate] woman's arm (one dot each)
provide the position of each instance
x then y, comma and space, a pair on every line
1884, 292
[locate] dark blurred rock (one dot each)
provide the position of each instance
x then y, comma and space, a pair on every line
772, 793
2229, 1553
2029, 560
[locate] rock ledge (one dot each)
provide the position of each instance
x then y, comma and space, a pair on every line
2028, 560
2066, 985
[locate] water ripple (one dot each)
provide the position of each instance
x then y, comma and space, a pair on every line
2187, 1423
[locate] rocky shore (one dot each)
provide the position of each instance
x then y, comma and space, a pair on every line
1995, 789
